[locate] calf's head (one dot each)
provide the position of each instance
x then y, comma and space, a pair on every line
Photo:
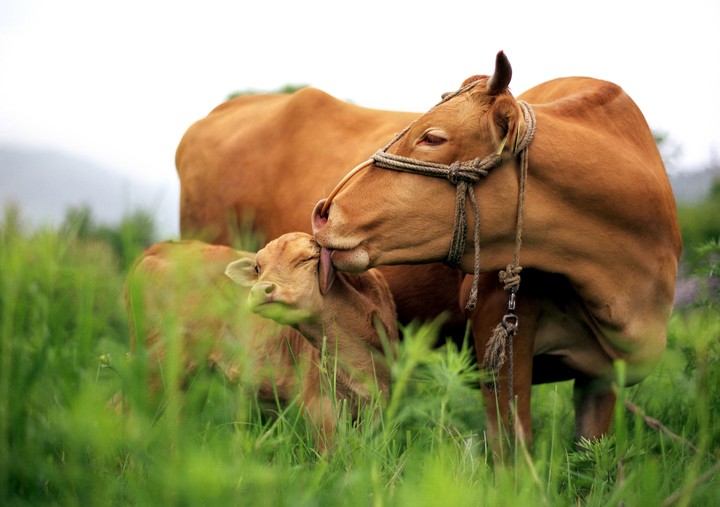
286, 279
391, 217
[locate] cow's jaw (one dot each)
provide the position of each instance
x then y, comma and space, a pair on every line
353, 260
346, 253
357, 247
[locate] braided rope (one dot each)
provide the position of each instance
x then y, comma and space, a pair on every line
463, 175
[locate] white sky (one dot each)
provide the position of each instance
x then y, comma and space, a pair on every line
119, 82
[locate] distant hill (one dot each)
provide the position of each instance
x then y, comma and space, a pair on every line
693, 186
46, 183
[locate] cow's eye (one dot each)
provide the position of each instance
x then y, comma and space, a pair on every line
257, 269
432, 139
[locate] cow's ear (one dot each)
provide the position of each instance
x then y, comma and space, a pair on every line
326, 271
505, 117
500, 80
242, 271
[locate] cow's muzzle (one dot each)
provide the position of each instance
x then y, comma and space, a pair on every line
318, 218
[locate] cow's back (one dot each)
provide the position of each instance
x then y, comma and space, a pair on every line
271, 158
613, 151
594, 157
266, 160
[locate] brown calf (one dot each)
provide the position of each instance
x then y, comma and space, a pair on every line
184, 293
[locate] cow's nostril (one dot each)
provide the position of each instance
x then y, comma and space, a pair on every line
318, 219
270, 288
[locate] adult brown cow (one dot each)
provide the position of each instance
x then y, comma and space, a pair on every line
267, 159
600, 238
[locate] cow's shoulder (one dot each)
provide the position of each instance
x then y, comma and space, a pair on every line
565, 87
576, 97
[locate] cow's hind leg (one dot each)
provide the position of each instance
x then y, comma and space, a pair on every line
594, 406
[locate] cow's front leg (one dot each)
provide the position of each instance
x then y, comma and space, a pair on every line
594, 404
492, 306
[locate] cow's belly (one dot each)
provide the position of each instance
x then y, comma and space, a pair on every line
569, 348
568, 344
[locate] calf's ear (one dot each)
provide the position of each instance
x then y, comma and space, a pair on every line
242, 271
326, 271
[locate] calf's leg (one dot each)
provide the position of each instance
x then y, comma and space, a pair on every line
321, 407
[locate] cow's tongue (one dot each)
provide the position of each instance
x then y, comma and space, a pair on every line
326, 270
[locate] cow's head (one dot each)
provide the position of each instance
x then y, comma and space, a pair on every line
388, 217
287, 278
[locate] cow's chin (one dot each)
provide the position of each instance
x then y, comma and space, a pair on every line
354, 260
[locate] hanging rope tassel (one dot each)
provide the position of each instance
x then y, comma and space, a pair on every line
495, 350
464, 175
498, 345
501, 339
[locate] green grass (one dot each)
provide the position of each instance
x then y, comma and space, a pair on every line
64, 346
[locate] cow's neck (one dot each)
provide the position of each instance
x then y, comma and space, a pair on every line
583, 224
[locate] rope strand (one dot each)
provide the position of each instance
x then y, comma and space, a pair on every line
463, 175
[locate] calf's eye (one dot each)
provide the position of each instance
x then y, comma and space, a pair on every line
309, 259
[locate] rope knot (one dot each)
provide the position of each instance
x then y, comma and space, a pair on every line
510, 277
482, 165
453, 175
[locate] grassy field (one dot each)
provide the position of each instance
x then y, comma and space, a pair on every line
64, 345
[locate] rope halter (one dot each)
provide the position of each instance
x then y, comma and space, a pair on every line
463, 175
499, 349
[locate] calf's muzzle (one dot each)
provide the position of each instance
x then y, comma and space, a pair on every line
261, 293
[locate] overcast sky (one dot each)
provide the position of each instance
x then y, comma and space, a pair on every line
119, 82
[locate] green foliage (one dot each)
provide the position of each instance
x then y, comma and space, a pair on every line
700, 227
65, 379
59, 299
135, 232
288, 88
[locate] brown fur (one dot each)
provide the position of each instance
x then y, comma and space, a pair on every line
181, 291
184, 282
344, 321
601, 242
265, 160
